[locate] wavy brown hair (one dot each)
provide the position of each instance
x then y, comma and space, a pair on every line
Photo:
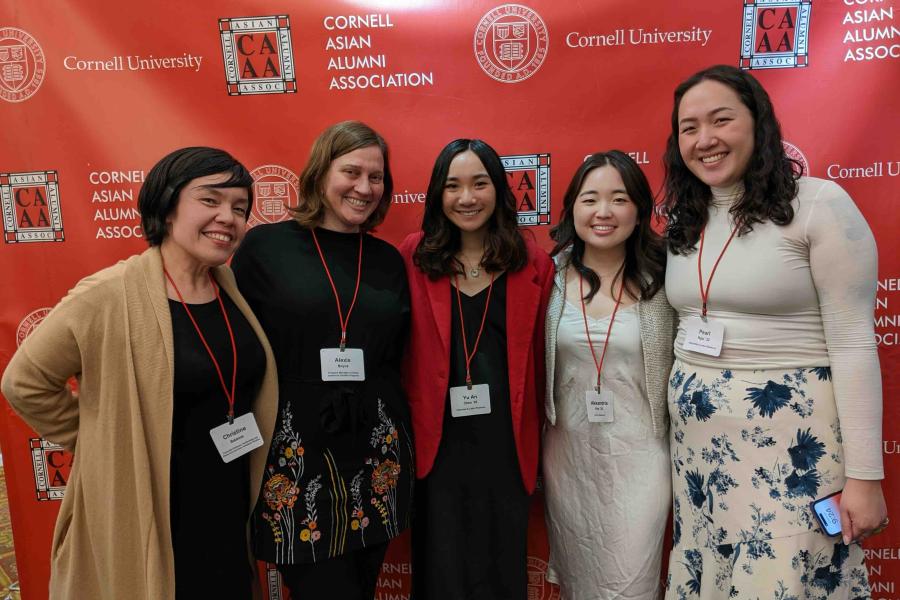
645, 255
338, 140
504, 248
770, 181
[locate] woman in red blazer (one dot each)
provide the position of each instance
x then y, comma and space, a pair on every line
474, 378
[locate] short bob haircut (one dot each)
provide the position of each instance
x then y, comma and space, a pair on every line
645, 255
159, 194
770, 181
338, 140
504, 248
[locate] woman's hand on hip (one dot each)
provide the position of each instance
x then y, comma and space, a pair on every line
863, 510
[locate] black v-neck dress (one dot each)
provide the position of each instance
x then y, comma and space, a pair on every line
471, 524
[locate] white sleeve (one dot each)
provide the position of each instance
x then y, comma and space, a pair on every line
844, 265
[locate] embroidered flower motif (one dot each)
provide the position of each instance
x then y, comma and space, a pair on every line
304, 535
805, 484
279, 492
384, 476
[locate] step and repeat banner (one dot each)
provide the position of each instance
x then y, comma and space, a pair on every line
93, 93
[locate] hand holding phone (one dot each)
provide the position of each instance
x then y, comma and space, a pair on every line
828, 513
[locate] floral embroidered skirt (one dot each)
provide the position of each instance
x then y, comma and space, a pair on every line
750, 450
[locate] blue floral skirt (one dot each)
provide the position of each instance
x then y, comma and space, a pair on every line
750, 450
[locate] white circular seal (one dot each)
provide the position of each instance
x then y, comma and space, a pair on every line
275, 189
511, 43
538, 586
29, 323
22, 65
794, 152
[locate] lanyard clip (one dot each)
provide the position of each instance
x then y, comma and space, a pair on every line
597, 387
230, 416
469, 382
703, 313
343, 340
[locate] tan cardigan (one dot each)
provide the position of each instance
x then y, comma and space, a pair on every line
114, 331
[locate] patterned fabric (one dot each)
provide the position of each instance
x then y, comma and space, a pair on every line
750, 451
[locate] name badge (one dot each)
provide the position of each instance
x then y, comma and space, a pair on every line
236, 439
342, 366
599, 406
704, 337
465, 402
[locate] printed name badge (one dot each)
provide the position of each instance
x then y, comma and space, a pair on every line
236, 439
465, 402
342, 366
704, 337
599, 406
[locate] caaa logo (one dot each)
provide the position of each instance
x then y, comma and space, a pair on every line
529, 180
22, 65
775, 34
31, 211
52, 466
274, 192
258, 55
511, 43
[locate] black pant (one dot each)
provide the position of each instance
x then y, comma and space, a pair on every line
351, 576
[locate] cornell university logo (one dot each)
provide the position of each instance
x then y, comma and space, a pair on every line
22, 65
511, 43
274, 192
258, 55
31, 211
775, 34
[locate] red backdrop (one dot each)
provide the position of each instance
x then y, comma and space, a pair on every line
91, 96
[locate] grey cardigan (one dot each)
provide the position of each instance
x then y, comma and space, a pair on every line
658, 325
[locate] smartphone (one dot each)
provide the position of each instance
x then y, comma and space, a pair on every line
828, 512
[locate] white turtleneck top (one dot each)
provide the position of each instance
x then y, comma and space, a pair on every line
802, 295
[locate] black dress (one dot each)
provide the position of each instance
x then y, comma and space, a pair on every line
471, 525
209, 501
340, 469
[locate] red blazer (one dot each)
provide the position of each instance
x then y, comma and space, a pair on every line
427, 361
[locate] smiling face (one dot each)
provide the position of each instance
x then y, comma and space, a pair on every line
469, 196
715, 133
353, 189
208, 223
603, 213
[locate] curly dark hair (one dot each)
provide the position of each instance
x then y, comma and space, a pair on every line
770, 181
504, 248
645, 255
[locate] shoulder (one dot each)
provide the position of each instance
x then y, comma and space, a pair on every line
382, 249
538, 257
261, 235
408, 246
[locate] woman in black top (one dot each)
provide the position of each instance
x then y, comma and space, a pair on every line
335, 305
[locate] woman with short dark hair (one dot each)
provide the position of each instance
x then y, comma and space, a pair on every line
474, 377
334, 302
775, 394
176, 387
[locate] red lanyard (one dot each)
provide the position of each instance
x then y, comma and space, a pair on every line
612, 318
337, 298
229, 396
462, 326
704, 294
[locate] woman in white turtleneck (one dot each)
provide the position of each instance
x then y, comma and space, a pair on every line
775, 395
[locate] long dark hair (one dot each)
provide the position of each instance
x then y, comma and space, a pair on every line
770, 181
504, 248
645, 256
